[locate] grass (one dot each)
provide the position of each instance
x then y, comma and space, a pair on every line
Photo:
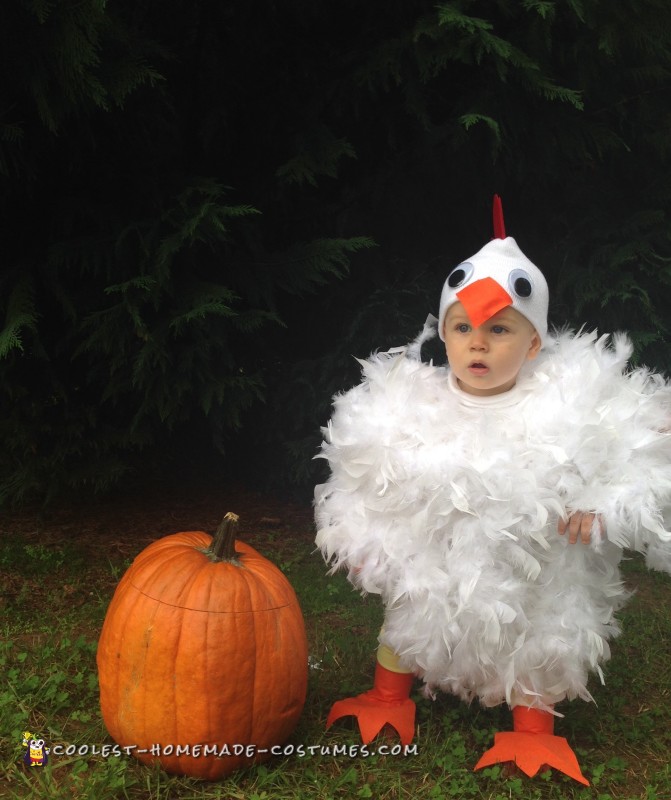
54, 595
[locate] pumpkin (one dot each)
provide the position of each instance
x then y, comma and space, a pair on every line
202, 658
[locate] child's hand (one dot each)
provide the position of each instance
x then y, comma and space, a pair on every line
580, 523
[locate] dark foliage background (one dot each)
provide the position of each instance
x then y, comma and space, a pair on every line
209, 208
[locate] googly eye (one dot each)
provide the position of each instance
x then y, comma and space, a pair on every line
520, 282
460, 275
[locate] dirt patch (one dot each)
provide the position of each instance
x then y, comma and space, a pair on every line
124, 522
47, 548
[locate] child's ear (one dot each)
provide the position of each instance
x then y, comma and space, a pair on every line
534, 347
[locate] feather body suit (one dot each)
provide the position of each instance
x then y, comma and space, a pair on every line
446, 505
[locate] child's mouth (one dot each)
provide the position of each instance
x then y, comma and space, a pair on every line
478, 368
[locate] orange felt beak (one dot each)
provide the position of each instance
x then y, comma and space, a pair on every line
482, 299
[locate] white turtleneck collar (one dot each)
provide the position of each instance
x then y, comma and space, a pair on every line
503, 400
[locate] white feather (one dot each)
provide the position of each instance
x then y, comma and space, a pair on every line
449, 512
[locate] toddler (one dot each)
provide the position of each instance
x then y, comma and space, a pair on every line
488, 503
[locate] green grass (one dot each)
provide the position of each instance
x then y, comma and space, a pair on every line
54, 597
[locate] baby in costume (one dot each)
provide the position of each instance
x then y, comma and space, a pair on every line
489, 502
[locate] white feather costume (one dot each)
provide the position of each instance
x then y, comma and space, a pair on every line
446, 504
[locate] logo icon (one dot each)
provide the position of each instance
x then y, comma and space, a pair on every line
36, 754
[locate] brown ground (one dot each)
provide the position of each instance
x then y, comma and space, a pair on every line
124, 525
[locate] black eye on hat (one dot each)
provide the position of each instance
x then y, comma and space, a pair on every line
520, 282
460, 275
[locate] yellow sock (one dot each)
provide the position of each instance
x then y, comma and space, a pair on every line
389, 660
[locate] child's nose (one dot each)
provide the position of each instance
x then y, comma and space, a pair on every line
478, 339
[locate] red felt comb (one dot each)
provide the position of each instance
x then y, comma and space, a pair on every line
499, 225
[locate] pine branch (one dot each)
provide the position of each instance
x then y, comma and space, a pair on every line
20, 314
310, 264
319, 152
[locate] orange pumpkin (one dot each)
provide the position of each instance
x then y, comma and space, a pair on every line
202, 654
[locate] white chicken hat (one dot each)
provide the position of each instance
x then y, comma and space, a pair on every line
497, 276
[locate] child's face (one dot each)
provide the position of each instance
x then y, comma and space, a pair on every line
486, 360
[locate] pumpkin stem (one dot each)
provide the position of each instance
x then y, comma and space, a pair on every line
223, 543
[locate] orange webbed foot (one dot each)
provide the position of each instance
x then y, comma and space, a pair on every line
532, 746
387, 703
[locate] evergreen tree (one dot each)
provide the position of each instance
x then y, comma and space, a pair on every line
181, 192
135, 286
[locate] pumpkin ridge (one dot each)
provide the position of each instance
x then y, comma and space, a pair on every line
250, 729
153, 563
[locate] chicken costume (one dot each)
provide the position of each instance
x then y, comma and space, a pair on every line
446, 504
